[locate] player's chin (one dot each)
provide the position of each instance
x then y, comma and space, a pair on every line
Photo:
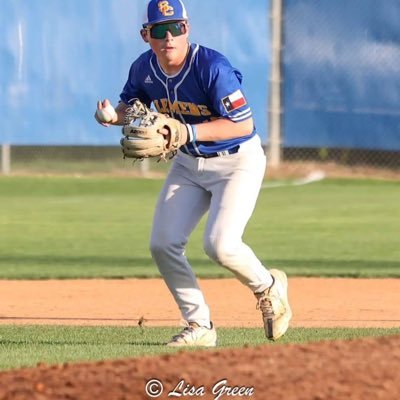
169, 57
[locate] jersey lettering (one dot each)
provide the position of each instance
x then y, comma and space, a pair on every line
162, 106
174, 107
204, 110
187, 110
181, 107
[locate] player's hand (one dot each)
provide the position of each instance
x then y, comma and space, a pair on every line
163, 131
183, 133
99, 116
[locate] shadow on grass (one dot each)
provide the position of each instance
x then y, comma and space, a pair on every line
339, 268
137, 266
92, 260
121, 261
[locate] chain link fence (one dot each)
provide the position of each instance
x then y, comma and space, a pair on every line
107, 160
339, 83
78, 160
344, 157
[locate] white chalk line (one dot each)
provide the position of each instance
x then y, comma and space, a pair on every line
312, 177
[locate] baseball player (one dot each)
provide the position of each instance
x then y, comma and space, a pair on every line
219, 170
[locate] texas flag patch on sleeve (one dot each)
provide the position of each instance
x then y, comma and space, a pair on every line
234, 101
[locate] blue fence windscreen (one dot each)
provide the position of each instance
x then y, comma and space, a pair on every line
342, 74
58, 57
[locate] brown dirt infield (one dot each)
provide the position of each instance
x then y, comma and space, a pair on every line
358, 369
316, 302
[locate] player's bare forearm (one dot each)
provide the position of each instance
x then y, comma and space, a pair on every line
222, 129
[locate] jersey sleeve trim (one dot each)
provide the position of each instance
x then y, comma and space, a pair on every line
241, 116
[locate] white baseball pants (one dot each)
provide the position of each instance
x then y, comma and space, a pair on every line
227, 187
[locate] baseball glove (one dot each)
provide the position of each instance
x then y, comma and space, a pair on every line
141, 133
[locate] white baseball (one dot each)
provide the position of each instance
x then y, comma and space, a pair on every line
106, 114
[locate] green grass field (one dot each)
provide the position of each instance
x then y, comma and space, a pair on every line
64, 227
29, 345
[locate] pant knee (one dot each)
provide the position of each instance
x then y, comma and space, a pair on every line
162, 247
156, 249
221, 251
159, 249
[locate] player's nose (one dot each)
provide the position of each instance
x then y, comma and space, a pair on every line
168, 36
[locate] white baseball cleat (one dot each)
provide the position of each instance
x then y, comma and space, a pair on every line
195, 335
274, 305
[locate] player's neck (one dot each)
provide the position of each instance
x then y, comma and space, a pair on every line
173, 66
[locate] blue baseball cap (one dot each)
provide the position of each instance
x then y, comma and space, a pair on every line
164, 10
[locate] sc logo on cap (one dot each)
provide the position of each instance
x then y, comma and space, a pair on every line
165, 9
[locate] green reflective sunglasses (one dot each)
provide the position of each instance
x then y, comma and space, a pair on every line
159, 31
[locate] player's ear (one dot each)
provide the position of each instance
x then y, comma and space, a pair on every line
187, 27
143, 34
187, 31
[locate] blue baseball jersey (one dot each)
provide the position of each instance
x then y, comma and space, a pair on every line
206, 88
